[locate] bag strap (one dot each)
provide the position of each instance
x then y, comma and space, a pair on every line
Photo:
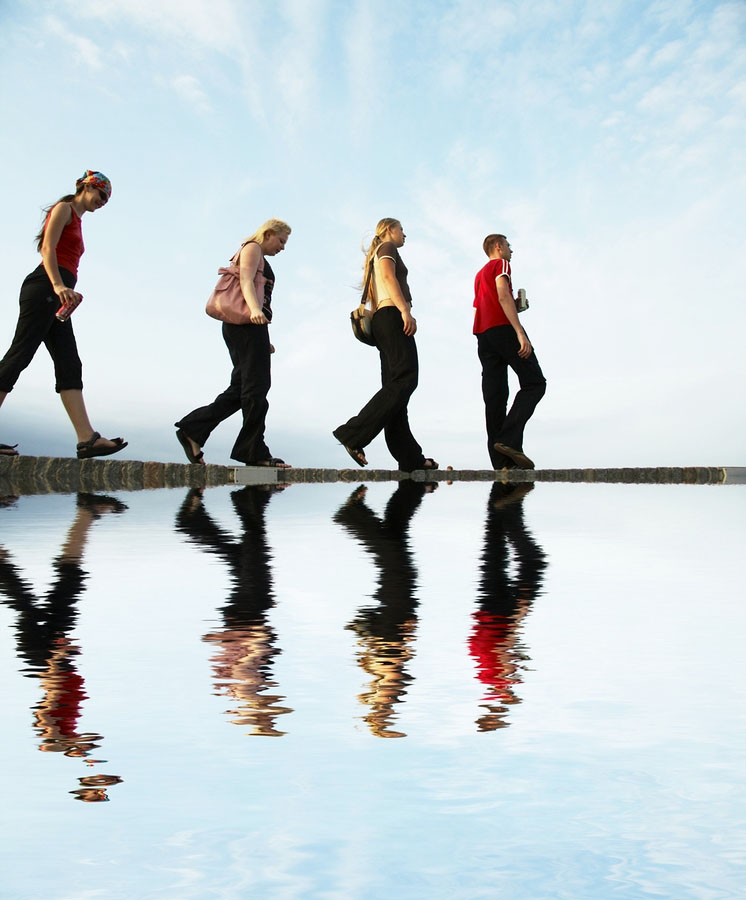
234, 258
366, 289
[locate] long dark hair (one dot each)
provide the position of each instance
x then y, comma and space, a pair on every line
66, 199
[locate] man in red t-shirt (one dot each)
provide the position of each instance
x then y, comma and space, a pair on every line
502, 342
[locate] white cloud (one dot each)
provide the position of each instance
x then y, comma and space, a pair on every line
85, 51
189, 89
216, 23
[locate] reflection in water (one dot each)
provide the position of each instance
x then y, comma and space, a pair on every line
247, 644
43, 630
512, 572
386, 632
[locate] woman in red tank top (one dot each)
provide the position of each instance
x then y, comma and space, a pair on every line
48, 298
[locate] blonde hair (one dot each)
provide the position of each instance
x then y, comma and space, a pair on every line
381, 229
275, 226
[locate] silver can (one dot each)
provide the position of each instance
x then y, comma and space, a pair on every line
521, 303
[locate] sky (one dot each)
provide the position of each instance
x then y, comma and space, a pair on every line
604, 138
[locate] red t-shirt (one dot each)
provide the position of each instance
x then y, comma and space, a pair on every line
70, 246
488, 311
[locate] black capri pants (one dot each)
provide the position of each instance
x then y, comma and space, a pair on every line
37, 324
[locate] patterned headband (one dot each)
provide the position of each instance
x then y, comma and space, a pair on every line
95, 179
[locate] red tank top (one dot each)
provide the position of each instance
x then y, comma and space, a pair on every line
70, 246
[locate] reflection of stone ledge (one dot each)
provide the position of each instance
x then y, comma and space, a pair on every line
44, 474
657, 475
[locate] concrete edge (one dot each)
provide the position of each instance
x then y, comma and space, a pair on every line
40, 475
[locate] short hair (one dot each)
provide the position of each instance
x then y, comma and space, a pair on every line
491, 241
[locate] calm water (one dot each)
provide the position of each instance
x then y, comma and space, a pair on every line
327, 692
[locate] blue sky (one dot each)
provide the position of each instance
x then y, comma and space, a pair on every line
605, 138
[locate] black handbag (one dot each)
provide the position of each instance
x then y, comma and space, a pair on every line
361, 317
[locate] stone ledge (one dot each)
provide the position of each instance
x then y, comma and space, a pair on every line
654, 475
43, 474
46, 474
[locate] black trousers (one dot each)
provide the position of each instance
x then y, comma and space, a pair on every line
498, 348
37, 325
248, 346
387, 409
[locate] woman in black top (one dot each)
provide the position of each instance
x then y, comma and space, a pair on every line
393, 331
249, 349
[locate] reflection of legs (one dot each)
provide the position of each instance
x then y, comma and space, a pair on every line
512, 567
247, 644
44, 630
386, 631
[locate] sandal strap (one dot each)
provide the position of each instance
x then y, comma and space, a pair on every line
90, 442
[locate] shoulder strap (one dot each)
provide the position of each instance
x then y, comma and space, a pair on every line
234, 258
366, 289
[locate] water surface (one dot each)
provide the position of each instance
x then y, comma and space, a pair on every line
400, 691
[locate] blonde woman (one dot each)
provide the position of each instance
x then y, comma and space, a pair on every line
393, 331
249, 349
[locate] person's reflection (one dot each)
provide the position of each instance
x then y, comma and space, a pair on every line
386, 632
44, 643
247, 644
512, 570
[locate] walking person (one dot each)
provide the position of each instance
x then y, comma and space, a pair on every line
249, 349
393, 328
502, 342
47, 300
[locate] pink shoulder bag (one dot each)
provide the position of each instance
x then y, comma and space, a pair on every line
226, 303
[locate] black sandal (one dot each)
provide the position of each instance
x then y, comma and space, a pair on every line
357, 455
87, 450
273, 462
8, 450
194, 458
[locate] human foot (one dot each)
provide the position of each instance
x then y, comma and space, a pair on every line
98, 446
518, 456
273, 462
192, 449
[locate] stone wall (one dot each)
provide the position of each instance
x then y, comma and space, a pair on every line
42, 474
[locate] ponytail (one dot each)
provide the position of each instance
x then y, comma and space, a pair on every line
381, 228
40, 236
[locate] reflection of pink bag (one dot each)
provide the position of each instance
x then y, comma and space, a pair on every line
227, 302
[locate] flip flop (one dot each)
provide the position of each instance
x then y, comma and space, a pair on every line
8, 450
357, 455
98, 504
86, 449
273, 462
194, 458
429, 463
